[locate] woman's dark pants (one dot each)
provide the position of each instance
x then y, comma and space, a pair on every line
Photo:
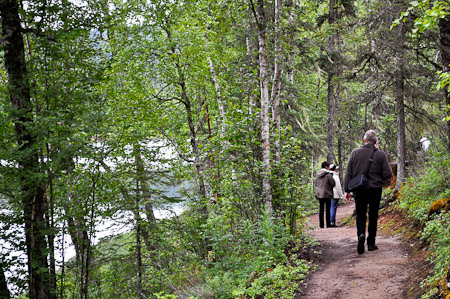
325, 203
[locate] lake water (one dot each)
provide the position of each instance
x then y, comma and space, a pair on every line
118, 224
105, 228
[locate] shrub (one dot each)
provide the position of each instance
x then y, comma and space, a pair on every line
437, 233
425, 198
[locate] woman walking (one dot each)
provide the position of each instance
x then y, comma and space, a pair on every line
337, 194
324, 192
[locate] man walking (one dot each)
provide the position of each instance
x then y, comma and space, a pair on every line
324, 192
379, 174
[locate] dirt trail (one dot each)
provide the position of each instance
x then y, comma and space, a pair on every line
343, 273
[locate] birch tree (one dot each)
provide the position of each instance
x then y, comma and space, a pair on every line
261, 23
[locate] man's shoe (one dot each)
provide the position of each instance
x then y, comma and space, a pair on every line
372, 247
333, 225
361, 240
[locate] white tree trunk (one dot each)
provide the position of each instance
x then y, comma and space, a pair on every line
218, 89
265, 121
276, 86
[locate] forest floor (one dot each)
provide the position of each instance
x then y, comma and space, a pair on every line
393, 271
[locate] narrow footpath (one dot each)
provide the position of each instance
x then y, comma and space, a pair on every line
343, 273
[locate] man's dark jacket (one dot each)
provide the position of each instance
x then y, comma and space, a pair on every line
380, 170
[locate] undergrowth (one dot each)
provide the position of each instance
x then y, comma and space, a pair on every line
424, 199
270, 266
247, 260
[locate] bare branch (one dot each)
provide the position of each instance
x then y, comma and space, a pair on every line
182, 156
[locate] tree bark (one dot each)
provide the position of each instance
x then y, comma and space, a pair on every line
77, 222
147, 231
50, 223
31, 178
340, 149
330, 93
78, 232
215, 80
265, 120
444, 37
51, 241
276, 85
4, 291
330, 120
203, 249
399, 97
138, 220
193, 138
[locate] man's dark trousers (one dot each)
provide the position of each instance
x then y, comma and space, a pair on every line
371, 198
325, 203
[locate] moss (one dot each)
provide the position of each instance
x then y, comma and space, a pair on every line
443, 290
438, 205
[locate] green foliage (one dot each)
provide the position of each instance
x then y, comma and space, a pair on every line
161, 295
431, 12
260, 268
417, 197
280, 282
419, 193
244, 258
437, 233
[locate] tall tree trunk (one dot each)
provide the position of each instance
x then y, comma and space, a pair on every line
78, 232
31, 179
193, 138
139, 259
4, 291
148, 231
77, 222
265, 120
194, 143
330, 94
399, 97
50, 223
312, 173
138, 220
197, 161
340, 149
276, 85
444, 35
87, 245
51, 242
330, 120
215, 80
215, 184
291, 8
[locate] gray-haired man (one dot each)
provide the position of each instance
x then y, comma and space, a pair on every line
379, 174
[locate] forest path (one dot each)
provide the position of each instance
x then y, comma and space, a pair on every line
343, 273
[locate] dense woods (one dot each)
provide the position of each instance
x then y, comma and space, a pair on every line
165, 149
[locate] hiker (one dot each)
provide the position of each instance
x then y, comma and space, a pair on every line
378, 173
337, 194
324, 192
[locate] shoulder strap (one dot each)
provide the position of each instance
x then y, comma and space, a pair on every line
370, 162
